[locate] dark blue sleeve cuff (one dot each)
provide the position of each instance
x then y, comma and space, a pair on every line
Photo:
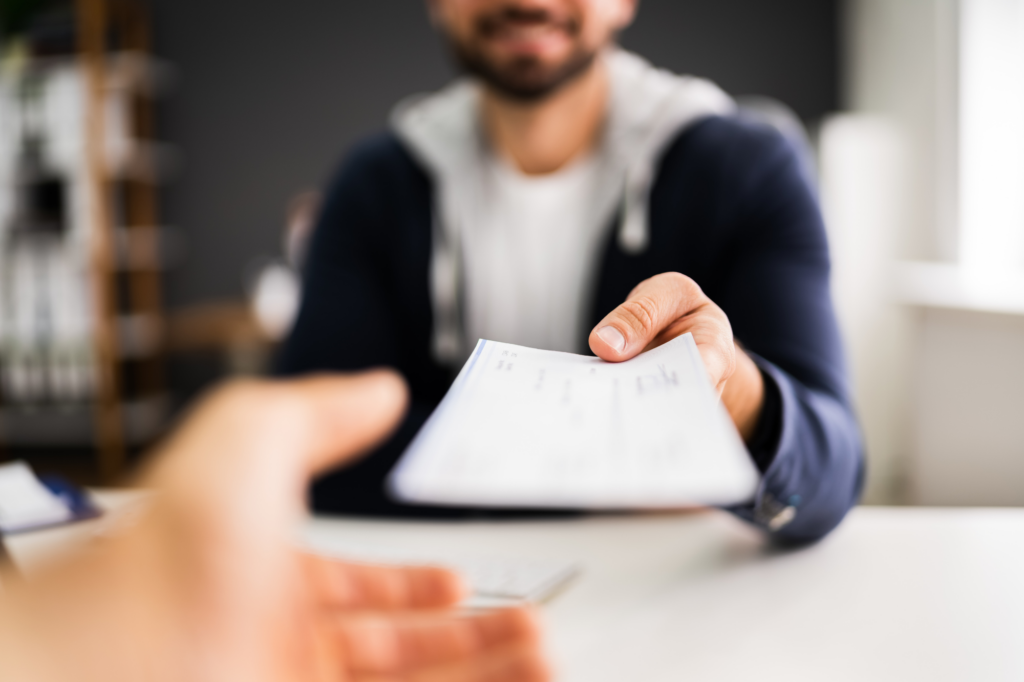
765, 442
810, 454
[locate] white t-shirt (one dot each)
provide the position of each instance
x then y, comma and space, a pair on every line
531, 259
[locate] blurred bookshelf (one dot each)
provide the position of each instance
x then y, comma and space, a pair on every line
82, 248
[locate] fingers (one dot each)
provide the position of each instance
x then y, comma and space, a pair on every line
660, 309
496, 645
352, 586
713, 335
651, 307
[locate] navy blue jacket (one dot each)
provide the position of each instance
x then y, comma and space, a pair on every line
732, 207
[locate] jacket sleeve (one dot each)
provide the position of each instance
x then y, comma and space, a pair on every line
344, 322
356, 313
776, 293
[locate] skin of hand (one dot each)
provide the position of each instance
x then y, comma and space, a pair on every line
669, 305
207, 583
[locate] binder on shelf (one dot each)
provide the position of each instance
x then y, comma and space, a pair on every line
80, 258
28, 503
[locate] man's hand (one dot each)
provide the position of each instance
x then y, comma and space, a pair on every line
207, 585
669, 305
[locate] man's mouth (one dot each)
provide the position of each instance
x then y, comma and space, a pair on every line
523, 32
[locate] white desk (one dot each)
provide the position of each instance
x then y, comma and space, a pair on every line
894, 594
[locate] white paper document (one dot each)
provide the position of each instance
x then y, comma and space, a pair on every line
488, 577
25, 502
529, 428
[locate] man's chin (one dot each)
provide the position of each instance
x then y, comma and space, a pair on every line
525, 79
524, 88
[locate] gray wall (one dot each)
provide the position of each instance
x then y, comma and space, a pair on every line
272, 93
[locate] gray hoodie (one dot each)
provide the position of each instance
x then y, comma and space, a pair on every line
648, 108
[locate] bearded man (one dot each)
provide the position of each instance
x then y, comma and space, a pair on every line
565, 194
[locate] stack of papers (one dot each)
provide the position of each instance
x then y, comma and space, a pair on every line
26, 503
528, 428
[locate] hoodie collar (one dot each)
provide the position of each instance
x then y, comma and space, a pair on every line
647, 109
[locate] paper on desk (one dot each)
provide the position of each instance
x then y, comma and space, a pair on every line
528, 428
489, 577
25, 502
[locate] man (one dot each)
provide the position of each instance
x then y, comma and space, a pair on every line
564, 176
207, 586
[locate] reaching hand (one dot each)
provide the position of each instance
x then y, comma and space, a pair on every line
669, 305
208, 585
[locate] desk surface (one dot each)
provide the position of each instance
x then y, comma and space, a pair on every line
894, 594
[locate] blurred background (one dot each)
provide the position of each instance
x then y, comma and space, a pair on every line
160, 161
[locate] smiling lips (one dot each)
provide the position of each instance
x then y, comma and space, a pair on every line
533, 33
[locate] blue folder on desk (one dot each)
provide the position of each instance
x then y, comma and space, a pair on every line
45, 502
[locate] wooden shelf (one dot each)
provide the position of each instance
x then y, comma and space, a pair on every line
74, 425
219, 326
117, 180
147, 248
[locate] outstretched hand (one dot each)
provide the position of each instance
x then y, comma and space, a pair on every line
207, 585
667, 306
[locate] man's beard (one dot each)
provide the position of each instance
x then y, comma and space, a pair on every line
526, 79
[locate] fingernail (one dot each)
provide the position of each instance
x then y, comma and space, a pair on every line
613, 337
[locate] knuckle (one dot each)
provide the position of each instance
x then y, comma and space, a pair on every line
677, 279
238, 394
256, 400
686, 287
674, 277
642, 314
730, 365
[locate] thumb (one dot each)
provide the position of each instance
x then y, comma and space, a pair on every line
349, 414
256, 433
653, 306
